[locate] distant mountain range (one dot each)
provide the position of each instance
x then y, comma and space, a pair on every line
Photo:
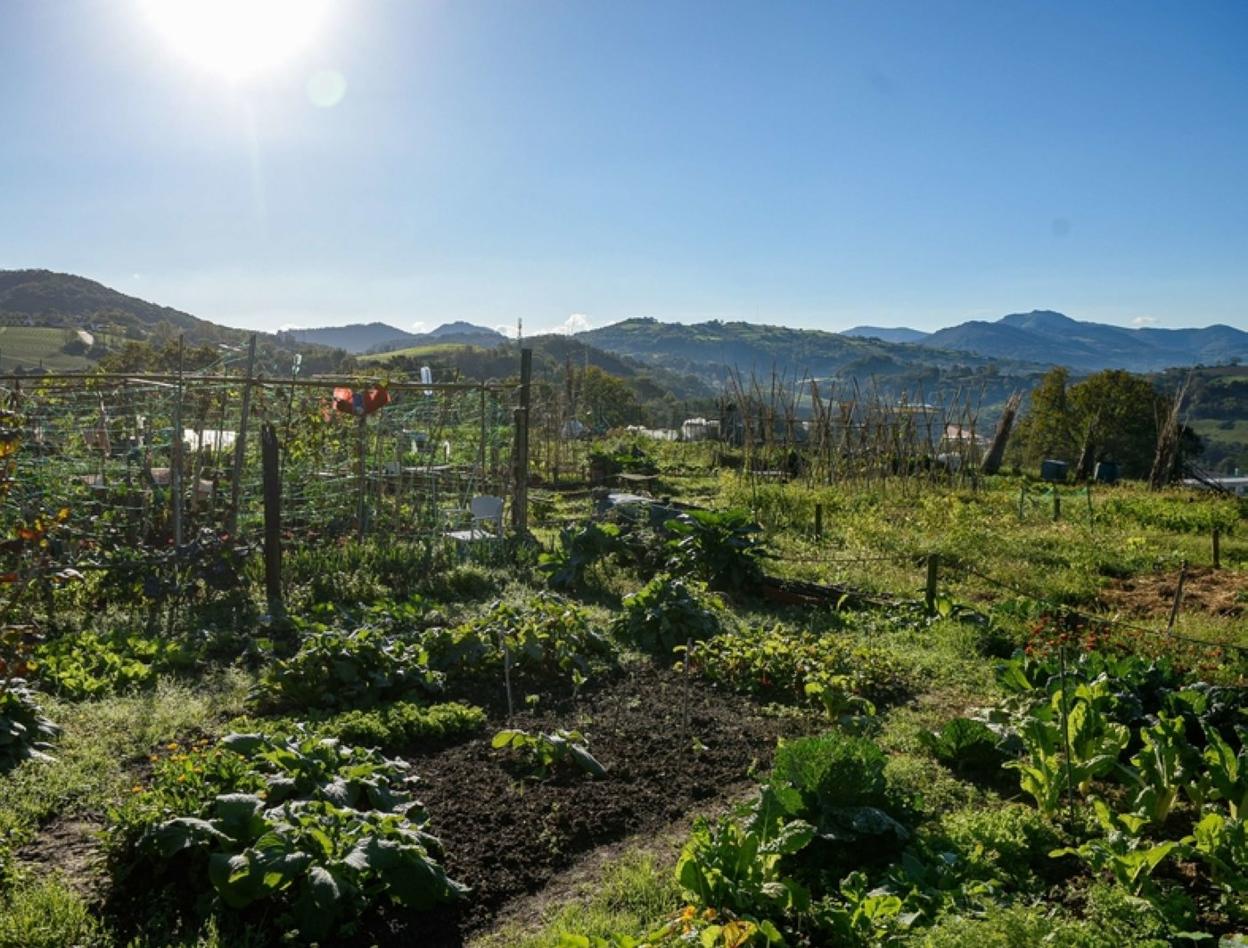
1018, 345
360, 338
1052, 338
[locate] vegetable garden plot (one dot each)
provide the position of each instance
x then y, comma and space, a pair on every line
506, 835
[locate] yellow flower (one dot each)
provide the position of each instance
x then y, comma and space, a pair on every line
181, 778
172, 745
136, 789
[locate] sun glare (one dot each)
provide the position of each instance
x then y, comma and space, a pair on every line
237, 38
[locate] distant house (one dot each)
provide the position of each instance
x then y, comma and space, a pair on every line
699, 429
1233, 485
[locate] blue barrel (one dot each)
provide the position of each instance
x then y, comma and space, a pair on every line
1106, 472
1052, 470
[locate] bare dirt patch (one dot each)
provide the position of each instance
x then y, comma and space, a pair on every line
70, 847
1222, 592
508, 838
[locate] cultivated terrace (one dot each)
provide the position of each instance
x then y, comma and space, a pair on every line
758, 711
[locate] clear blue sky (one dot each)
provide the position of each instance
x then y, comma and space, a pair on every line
815, 164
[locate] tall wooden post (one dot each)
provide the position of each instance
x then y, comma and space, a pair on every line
271, 464
818, 521
361, 474
520, 499
175, 457
240, 443
1217, 548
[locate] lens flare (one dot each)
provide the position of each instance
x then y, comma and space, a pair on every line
237, 38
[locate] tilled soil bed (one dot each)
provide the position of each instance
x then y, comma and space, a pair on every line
507, 836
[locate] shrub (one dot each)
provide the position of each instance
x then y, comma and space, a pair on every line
667, 612
721, 547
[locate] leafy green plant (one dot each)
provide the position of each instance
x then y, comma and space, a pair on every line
322, 861
1095, 744
579, 549
321, 828
965, 745
1222, 845
402, 723
1122, 850
546, 637
836, 782
1159, 771
782, 663
734, 868
721, 547
1226, 775
90, 664
1009, 844
840, 704
541, 755
25, 732
339, 668
668, 612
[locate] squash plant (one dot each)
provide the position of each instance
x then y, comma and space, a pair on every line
540, 755
320, 829
336, 668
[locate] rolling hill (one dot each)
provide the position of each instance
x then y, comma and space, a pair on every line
887, 333
44, 315
360, 338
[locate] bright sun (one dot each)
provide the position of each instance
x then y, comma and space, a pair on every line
237, 38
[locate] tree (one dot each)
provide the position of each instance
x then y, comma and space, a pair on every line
1110, 416
1046, 431
607, 400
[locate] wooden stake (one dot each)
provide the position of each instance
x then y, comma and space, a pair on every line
818, 521
520, 500
175, 458
1057, 505
929, 597
1022, 500
1178, 597
240, 443
1070, 777
272, 519
1217, 548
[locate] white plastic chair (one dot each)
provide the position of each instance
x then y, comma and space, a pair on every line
485, 511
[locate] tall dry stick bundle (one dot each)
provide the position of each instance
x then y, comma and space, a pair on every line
996, 453
1165, 461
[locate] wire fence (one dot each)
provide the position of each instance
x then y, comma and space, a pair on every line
151, 460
